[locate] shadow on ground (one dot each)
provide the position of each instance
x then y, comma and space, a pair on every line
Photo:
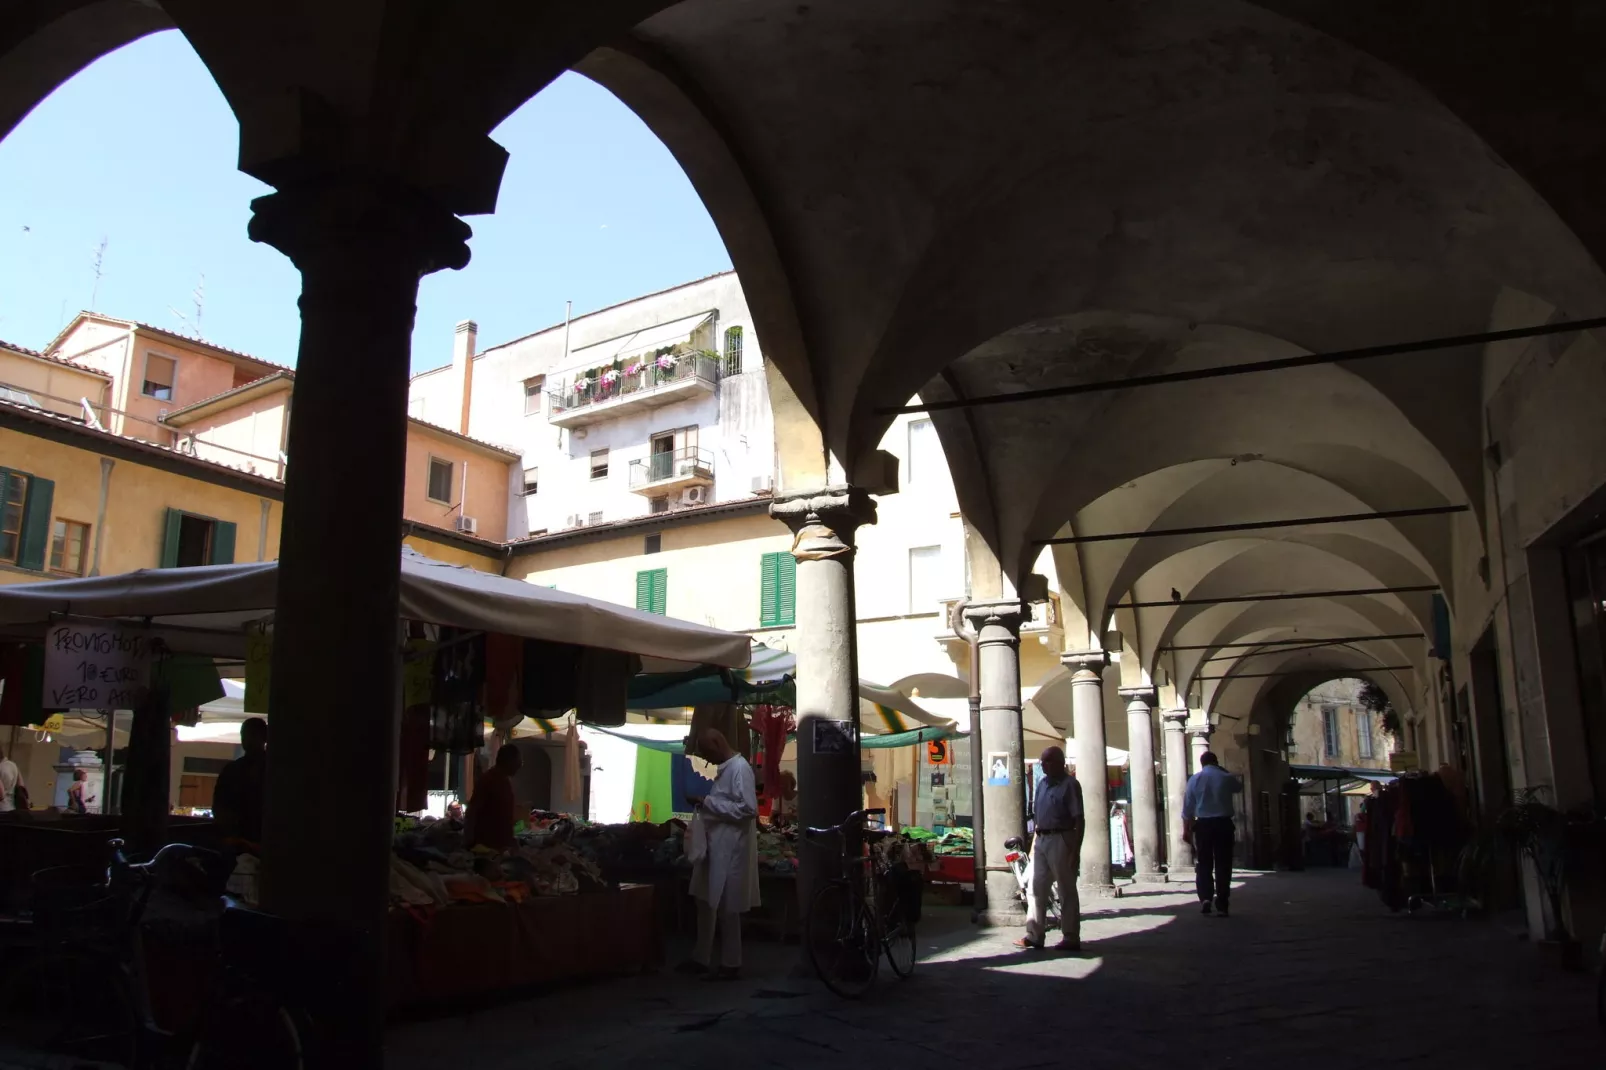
1311, 970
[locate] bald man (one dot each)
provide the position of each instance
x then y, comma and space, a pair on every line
1058, 825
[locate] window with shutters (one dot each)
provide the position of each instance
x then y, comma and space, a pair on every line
652, 590
733, 351
160, 373
652, 544
1363, 732
532, 481
439, 488
599, 463
1330, 730
925, 453
777, 600
925, 578
193, 540
69, 542
533, 388
26, 501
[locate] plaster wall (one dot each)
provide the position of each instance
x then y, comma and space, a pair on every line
52, 385
486, 480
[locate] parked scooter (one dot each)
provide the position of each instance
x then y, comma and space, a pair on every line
1019, 859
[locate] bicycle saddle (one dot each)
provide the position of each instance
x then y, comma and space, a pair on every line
1014, 843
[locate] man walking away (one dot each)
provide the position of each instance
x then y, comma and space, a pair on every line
725, 882
1207, 824
1059, 824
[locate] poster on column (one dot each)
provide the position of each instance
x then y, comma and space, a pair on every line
833, 737
998, 769
96, 666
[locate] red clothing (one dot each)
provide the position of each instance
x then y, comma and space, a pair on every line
490, 812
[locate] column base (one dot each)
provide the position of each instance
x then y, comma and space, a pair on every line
1155, 877
1009, 917
1097, 891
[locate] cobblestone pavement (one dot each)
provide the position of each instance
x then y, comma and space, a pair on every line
1310, 970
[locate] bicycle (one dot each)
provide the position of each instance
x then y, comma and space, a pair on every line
86, 994
860, 915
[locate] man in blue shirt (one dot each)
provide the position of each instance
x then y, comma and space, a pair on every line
1058, 826
1207, 824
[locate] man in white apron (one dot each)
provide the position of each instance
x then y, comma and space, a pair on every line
725, 880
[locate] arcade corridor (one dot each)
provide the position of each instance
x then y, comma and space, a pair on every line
1311, 971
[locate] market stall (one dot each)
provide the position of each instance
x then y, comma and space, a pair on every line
481, 649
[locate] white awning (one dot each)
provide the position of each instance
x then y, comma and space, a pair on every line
207, 610
643, 341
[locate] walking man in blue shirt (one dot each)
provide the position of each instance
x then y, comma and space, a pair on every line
1207, 824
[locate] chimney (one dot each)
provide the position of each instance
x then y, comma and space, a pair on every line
463, 366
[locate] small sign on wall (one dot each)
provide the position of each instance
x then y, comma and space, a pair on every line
96, 666
998, 769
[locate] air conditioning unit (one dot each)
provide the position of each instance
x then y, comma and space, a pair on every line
763, 484
694, 495
574, 522
468, 525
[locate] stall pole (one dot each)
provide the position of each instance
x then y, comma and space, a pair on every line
361, 244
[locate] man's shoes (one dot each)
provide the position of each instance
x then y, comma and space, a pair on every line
1205, 907
1024, 944
1068, 946
1221, 910
724, 973
692, 968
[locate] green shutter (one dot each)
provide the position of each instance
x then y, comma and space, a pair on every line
170, 539
786, 588
37, 517
768, 583
222, 543
652, 590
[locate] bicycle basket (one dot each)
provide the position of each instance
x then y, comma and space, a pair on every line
73, 903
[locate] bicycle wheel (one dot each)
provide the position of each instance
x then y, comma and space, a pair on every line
843, 941
250, 1032
73, 1004
900, 945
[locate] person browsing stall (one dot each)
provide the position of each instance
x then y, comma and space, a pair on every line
10, 778
1059, 824
725, 881
492, 807
241, 791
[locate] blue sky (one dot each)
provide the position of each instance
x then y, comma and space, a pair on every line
139, 150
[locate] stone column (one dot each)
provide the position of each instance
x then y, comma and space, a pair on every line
1179, 856
824, 523
1087, 717
1199, 741
361, 246
1145, 789
997, 627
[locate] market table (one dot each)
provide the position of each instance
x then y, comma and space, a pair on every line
476, 949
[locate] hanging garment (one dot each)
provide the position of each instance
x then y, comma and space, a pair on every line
551, 671
457, 708
412, 766
602, 685
1120, 842
22, 668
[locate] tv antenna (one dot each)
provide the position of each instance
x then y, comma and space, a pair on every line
198, 295
99, 265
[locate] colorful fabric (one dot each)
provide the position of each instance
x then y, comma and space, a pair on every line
652, 799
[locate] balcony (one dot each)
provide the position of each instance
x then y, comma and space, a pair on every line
644, 383
664, 474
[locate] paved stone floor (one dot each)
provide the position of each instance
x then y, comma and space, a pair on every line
1310, 971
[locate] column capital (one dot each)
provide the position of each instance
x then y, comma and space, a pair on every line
1145, 696
338, 217
824, 521
1201, 732
1174, 720
1008, 615
1090, 661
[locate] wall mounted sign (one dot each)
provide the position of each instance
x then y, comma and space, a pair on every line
998, 769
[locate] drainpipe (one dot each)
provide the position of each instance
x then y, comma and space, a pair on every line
568, 315
956, 621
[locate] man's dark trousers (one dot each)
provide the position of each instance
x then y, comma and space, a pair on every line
1212, 848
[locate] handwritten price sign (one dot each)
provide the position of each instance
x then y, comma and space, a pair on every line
96, 667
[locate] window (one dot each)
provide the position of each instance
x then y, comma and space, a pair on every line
440, 481
924, 451
532, 481
159, 375
534, 386
653, 543
196, 540
652, 590
659, 504
599, 463
1363, 728
733, 351
777, 599
1330, 730
25, 519
68, 542
925, 578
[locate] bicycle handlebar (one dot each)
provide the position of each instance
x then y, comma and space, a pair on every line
855, 818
